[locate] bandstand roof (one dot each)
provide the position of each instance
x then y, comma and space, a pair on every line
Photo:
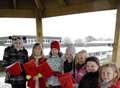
48, 8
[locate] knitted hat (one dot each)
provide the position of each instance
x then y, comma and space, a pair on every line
71, 50
14, 38
94, 59
55, 44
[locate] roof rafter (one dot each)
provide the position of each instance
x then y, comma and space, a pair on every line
96, 5
17, 13
39, 4
14, 4
62, 2
113, 2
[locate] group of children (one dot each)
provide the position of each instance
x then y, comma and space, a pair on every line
86, 71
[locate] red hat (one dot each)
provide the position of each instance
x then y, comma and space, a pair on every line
55, 44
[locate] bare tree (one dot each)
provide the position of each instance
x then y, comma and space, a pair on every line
90, 38
79, 42
67, 41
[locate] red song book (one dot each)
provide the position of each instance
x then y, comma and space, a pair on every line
66, 80
14, 69
30, 68
45, 70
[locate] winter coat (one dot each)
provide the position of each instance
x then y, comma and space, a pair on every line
56, 64
11, 55
80, 72
107, 84
68, 67
89, 80
104, 84
31, 82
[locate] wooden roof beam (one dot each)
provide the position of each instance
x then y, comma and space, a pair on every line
113, 2
26, 13
96, 5
62, 2
39, 4
14, 4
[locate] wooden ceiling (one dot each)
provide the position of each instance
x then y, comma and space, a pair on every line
48, 8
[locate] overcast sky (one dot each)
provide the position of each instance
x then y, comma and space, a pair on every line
97, 24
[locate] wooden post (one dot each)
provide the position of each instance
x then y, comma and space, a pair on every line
39, 27
116, 47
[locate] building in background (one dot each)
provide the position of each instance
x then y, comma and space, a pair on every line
30, 40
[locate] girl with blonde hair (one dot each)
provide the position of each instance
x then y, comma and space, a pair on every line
109, 76
38, 57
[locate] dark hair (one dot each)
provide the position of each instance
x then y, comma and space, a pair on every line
94, 59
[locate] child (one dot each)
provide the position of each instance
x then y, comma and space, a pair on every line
80, 65
55, 61
109, 76
13, 53
69, 55
37, 56
90, 79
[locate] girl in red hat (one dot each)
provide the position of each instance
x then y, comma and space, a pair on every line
37, 55
55, 60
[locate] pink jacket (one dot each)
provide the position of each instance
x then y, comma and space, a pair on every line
80, 73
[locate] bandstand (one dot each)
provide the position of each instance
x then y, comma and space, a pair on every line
39, 9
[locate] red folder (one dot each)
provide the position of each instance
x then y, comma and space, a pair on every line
66, 80
45, 70
30, 68
42, 59
14, 69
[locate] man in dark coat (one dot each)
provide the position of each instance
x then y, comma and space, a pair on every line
13, 53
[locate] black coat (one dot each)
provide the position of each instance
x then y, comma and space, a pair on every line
68, 67
10, 56
90, 80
